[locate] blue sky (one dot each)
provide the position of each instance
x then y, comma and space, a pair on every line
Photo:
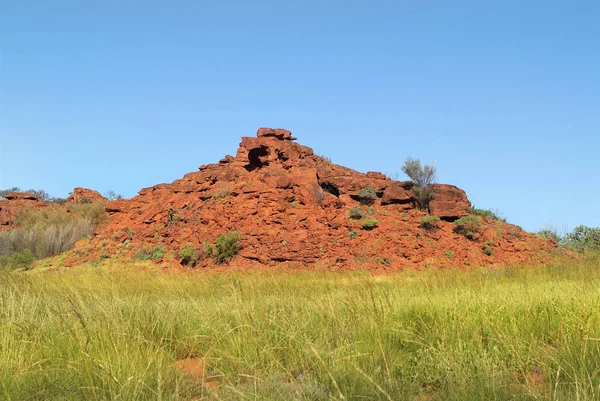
503, 96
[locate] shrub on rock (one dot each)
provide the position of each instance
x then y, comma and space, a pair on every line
468, 226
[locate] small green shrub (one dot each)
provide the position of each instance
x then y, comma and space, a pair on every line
222, 193
356, 213
449, 254
226, 247
353, 234
371, 211
430, 222
17, 260
383, 261
468, 226
488, 214
159, 252
370, 224
144, 254
189, 255
104, 256
367, 195
488, 250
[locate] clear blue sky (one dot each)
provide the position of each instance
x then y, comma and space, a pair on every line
503, 96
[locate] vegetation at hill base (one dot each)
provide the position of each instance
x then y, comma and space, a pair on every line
41, 233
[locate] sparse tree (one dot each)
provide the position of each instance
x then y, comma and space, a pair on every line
423, 177
112, 195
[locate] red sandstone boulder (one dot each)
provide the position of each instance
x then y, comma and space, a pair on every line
398, 192
22, 196
449, 202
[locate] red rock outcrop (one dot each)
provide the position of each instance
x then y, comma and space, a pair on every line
290, 205
13, 204
84, 195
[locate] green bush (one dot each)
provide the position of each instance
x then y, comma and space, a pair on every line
583, 239
487, 214
189, 255
370, 224
367, 195
151, 254
430, 222
144, 254
17, 260
488, 250
226, 247
468, 226
356, 213
353, 234
159, 252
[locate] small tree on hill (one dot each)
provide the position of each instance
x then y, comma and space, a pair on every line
423, 177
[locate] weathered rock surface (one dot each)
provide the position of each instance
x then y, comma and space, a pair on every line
291, 207
449, 202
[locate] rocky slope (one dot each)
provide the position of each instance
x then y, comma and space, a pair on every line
292, 206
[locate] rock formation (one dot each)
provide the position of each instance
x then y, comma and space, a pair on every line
292, 206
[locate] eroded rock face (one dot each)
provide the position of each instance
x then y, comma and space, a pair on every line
22, 196
293, 207
279, 133
449, 203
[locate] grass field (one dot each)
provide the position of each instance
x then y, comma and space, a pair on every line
101, 333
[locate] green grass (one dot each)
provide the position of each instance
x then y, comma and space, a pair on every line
491, 334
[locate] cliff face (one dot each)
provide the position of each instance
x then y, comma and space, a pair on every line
290, 205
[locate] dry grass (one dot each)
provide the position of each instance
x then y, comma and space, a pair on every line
115, 332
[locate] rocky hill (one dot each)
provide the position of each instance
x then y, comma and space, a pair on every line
292, 207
